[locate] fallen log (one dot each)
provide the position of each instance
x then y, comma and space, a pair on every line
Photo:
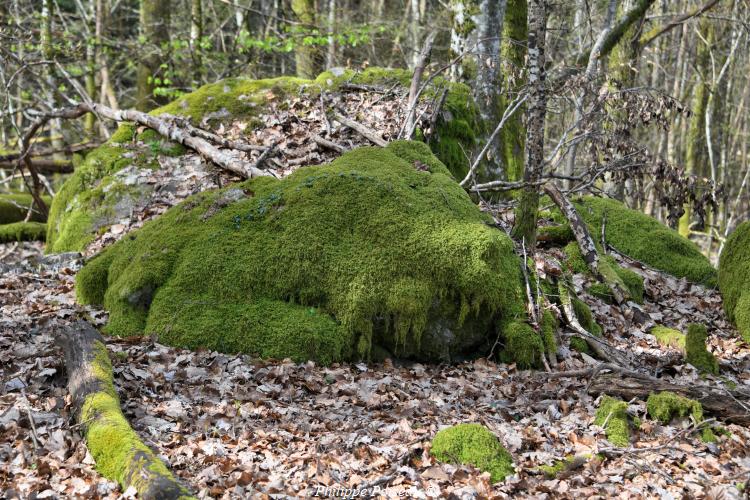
42, 165
119, 453
730, 405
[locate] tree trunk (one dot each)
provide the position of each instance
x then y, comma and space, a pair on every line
154, 29
528, 206
196, 34
308, 58
462, 26
488, 85
513, 54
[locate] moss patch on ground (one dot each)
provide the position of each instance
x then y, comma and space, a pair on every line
666, 405
14, 207
612, 414
669, 337
734, 278
696, 352
86, 201
314, 266
23, 231
473, 444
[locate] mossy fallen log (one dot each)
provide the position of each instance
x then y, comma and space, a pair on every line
119, 453
724, 403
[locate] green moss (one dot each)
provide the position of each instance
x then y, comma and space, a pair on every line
556, 234
580, 345
612, 414
734, 278
23, 231
669, 337
548, 326
80, 209
523, 345
666, 405
14, 207
473, 444
312, 266
568, 463
645, 239
628, 280
585, 316
696, 352
601, 291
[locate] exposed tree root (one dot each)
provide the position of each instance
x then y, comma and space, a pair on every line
119, 453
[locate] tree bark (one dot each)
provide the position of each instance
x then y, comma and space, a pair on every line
308, 58
154, 29
526, 213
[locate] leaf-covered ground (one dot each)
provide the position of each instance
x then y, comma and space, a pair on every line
234, 427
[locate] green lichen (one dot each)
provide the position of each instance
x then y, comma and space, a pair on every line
645, 239
665, 406
14, 207
82, 208
734, 278
696, 352
523, 345
473, 444
612, 414
23, 231
313, 266
669, 337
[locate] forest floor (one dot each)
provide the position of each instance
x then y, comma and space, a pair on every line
231, 426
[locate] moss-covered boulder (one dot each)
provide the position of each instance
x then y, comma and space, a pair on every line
669, 337
476, 445
370, 249
99, 192
14, 207
643, 238
734, 278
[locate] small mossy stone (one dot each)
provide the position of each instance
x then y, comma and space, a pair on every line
316, 265
473, 444
579, 344
669, 337
696, 352
556, 234
734, 278
23, 231
613, 416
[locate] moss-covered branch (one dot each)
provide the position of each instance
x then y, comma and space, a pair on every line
119, 453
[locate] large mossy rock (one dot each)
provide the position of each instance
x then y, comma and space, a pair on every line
643, 238
734, 278
101, 191
372, 249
